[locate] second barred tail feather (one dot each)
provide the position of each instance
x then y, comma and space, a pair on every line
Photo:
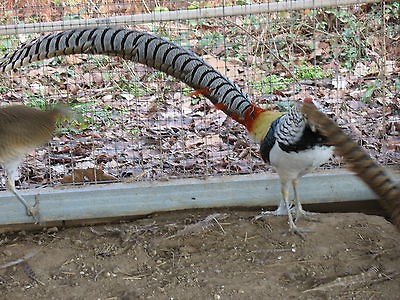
150, 50
359, 161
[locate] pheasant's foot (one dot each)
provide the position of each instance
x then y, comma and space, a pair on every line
280, 211
33, 211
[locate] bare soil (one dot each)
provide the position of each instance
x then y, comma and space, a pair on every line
206, 254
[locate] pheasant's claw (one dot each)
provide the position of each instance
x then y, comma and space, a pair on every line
307, 215
299, 230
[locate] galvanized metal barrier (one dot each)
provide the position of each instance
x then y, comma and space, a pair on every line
141, 198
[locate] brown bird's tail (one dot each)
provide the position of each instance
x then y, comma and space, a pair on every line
62, 111
360, 162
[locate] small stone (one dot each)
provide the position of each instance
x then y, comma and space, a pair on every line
77, 242
52, 230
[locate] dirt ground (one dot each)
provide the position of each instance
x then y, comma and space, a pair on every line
205, 254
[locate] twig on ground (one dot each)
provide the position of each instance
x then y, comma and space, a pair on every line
30, 273
365, 278
20, 260
202, 225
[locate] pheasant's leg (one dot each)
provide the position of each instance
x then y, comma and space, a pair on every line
11, 171
298, 208
292, 226
285, 196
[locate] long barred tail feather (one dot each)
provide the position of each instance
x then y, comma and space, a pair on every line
361, 163
145, 48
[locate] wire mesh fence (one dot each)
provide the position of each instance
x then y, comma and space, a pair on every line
134, 123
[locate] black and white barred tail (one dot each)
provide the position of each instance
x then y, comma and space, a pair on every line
144, 48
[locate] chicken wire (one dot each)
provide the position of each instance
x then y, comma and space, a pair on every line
134, 123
